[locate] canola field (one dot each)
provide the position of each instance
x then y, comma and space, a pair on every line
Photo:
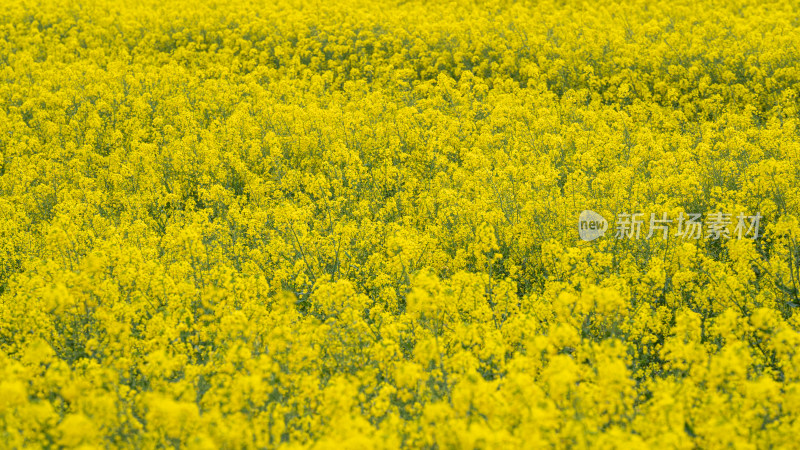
355, 224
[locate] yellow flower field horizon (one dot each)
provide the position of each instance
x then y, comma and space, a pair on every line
416, 224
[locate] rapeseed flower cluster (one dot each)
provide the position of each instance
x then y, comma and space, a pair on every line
353, 224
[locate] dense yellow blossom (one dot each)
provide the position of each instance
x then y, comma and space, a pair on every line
353, 224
